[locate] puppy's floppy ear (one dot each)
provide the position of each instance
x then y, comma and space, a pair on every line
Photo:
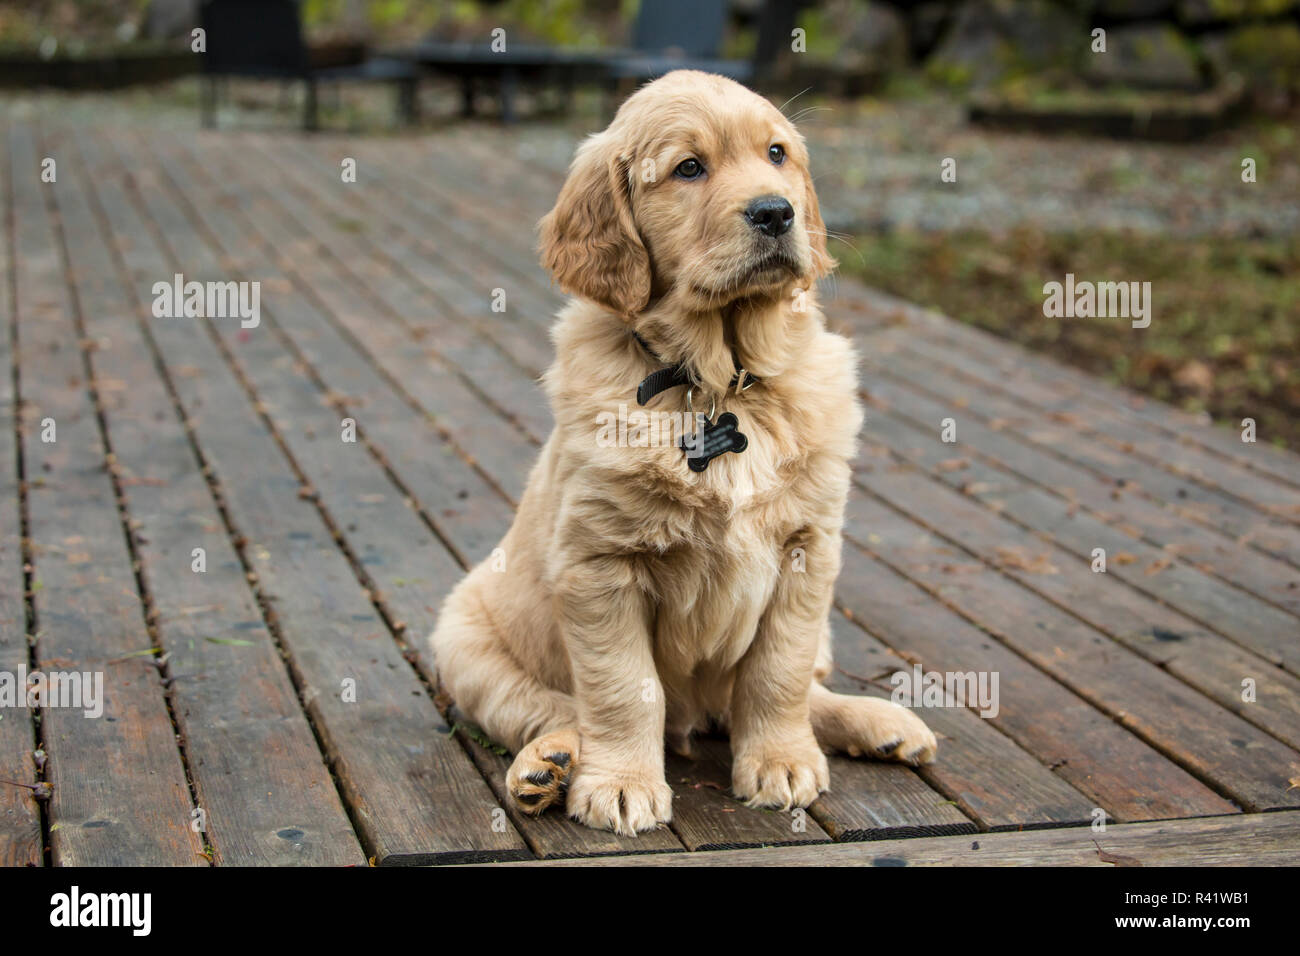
822, 263
589, 241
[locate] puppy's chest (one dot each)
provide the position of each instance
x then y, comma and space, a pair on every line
725, 533
711, 591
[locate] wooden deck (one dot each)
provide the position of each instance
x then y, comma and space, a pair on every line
285, 692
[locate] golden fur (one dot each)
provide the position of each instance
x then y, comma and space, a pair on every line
634, 600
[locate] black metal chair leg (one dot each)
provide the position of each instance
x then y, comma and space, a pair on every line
509, 88
208, 101
408, 100
467, 96
310, 110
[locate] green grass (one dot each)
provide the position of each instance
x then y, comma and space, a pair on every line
1225, 327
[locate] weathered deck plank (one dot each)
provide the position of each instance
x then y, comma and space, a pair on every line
1056, 563
392, 318
707, 817
120, 794
987, 774
1127, 451
265, 792
1082, 744
489, 347
1144, 421
1004, 434
382, 377
1214, 744
1259, 839
412, 791
20, 817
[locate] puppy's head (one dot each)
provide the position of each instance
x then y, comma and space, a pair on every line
698, 190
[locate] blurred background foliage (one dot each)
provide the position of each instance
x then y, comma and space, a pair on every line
1225, 330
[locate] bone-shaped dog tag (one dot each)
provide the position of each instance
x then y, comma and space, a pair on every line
712, 439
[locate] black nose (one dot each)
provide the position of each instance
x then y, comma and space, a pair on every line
770, 215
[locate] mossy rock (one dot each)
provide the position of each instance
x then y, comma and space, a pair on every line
1155, 56
1200, 12
1268, 55
991, 41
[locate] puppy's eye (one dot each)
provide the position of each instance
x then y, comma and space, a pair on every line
688, 169
776, 153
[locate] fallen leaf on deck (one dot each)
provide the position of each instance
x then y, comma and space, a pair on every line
1031, 564
1114, 858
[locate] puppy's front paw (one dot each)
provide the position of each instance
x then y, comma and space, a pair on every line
780, 778
625, 801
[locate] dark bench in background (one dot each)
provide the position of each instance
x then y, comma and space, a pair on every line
667, 35
263, 39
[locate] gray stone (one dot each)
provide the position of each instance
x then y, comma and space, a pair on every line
1153, 56
169, 19
1216, 51
990, 38
1134, 9
1201, 12
925, 26
875, 38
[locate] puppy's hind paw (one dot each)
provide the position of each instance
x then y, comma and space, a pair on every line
871, 727
541, 771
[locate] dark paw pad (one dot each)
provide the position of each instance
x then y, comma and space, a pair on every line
539, 778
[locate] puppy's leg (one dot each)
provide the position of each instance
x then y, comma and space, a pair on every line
869, 726
605, 618
864, 726
538, 723
775, 758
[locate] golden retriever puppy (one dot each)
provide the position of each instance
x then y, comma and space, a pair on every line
673, 567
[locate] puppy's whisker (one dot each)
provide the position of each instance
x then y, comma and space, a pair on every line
793, 98
808, 110
839, 237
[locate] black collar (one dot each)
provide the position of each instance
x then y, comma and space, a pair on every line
670, 376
